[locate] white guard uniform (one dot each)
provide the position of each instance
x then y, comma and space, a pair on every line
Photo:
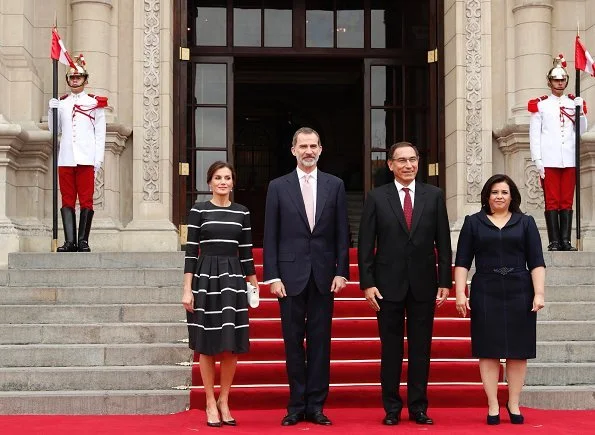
83, 130
551, 132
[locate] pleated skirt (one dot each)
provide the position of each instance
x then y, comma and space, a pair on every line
220, 319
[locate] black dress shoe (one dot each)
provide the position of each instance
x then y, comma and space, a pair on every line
391, 419
420, 418
292, 419
318, 418
231, 422
214, 423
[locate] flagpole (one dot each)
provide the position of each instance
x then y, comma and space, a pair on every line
55, 154
577, 169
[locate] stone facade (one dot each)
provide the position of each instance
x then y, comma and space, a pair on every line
496, 54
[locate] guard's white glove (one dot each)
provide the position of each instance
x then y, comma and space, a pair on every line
540, 168
97, 167
578, 101
54, 103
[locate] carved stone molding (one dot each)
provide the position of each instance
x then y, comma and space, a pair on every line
473, 143
99, 190
151, 101
534, 197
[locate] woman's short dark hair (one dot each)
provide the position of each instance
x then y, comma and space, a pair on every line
220, 165
515, 203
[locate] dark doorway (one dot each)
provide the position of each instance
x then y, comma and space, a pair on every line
275, 97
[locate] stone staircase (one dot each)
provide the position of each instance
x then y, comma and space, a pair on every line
101, 333
563, 374
94, 333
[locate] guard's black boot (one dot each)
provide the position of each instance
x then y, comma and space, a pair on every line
553, 230
566, 230
69, 223
84, 229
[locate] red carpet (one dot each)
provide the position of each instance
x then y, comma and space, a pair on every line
460, 421
261, 381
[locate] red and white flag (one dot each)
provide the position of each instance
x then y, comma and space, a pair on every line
582, 59
59, 52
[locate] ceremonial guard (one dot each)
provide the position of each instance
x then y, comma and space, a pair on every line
81, 121
552, 142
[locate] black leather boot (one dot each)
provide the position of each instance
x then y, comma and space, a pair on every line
553, 230
566, 230
84, 229
69, 224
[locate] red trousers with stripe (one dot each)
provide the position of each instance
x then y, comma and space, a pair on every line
558, 188
77, 180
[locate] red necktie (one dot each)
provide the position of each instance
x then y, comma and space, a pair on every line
407, 207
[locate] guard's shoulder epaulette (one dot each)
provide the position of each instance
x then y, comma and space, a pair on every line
63, 97
101, 101
532, 105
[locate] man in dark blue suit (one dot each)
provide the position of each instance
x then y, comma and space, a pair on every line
306, 261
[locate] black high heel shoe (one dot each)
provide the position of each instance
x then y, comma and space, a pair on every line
231, 422
493, 420
515, 418
213, 423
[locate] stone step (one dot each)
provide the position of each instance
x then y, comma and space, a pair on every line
152, 277
85, 355
569, 275
559, 397
560, 330
567, 311
90, 295
104, 333
569, 259
570, 293
81, 378
166, 401
96, 260
112, 313
560, 374
565, 351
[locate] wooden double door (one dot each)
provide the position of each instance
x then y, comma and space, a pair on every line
243, 103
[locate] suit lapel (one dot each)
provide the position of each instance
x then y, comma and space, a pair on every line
295, 193
392, 195
322, 192
418, 204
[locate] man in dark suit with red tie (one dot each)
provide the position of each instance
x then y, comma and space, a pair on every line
403, 225
306, 261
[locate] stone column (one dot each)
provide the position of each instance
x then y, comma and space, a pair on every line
151, 227
92, 35
468, 114
533, 54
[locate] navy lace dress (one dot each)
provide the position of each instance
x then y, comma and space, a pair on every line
219, 254
502, 323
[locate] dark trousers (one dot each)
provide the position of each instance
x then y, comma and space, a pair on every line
391, 325
309, 315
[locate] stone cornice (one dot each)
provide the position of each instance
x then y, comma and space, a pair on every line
103, 2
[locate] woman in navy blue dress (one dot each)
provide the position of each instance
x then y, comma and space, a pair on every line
218, 261
507, 289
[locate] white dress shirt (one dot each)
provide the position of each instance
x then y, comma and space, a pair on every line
402, 193
312, 181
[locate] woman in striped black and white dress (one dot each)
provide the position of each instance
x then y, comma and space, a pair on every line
218, 262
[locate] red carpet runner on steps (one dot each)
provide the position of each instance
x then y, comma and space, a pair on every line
261, 381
